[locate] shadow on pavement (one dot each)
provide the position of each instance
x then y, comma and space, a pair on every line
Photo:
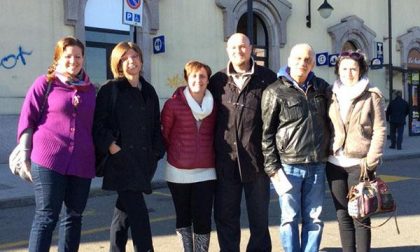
393, 249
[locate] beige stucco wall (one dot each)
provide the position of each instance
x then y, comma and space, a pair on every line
374, 13
192, 30
35, 26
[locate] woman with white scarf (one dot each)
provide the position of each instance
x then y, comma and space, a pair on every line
357, 115
188, 121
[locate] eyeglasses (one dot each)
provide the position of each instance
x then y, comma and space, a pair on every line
353, 55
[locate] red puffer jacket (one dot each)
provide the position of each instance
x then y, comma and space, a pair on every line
187, 146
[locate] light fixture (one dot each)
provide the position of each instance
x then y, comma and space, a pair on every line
324, 10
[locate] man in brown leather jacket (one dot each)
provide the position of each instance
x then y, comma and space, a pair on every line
295, 143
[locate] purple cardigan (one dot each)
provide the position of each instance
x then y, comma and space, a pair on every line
62, 139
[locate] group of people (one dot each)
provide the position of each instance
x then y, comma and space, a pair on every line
225, 135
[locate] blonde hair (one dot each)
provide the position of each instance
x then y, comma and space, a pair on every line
58, 52
194, 66
118, 52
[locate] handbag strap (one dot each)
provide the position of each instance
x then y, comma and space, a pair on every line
394, 213
44, 101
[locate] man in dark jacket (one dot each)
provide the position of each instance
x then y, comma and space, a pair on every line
295, 147
237, 92
396, 112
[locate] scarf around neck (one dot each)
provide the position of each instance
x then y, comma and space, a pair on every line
346, 94
199, 112
80, 82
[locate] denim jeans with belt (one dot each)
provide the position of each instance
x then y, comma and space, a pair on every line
51, 190
304, 201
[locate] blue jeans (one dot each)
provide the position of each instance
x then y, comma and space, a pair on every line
51, 190
304, 201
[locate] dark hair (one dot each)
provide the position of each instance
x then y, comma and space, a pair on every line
58, 52
357, 56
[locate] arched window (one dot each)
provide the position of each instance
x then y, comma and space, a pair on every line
260, 38
270, 18
351, 32
349, 46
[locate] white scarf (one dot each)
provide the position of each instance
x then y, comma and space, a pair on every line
199, 112
346, 94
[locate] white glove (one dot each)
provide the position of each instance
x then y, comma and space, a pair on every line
25, 142
25, 170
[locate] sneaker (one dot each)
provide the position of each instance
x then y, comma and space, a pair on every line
392, 146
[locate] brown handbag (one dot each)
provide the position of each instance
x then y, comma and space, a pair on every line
371, 196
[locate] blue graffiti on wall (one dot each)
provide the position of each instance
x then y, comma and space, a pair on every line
11, 60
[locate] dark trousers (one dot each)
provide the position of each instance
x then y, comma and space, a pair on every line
396, 131
51, 191
130, 212
193, 204
227, 212
354, 237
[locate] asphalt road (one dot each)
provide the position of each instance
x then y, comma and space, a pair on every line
403, 177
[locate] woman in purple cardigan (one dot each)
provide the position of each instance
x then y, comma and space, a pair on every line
55, 129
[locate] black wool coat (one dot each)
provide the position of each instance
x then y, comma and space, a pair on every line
135, 126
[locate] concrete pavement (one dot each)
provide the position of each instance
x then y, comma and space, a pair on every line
15, 192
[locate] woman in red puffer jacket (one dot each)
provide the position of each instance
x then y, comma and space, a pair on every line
188, 121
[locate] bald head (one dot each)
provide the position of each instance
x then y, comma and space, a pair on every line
239, 52
238, 37
301, 62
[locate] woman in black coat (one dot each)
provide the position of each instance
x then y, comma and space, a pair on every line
127, 126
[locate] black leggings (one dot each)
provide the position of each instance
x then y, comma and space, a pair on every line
354, 237
193, 204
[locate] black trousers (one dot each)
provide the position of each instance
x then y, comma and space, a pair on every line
396, 131
193, 204
227, 212
354, 237
130, 212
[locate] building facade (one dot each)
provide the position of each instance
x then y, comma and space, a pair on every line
199, 30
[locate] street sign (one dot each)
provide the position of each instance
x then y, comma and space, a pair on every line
159, 44
132, 12
376, 63
322, 59
379, 50
332, 59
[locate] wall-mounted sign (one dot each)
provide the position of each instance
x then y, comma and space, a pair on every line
322, 59
413, 59
376, 63
133, 12
159, 44
380, 50
332, 59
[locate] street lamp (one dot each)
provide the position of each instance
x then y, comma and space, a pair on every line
324, 10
